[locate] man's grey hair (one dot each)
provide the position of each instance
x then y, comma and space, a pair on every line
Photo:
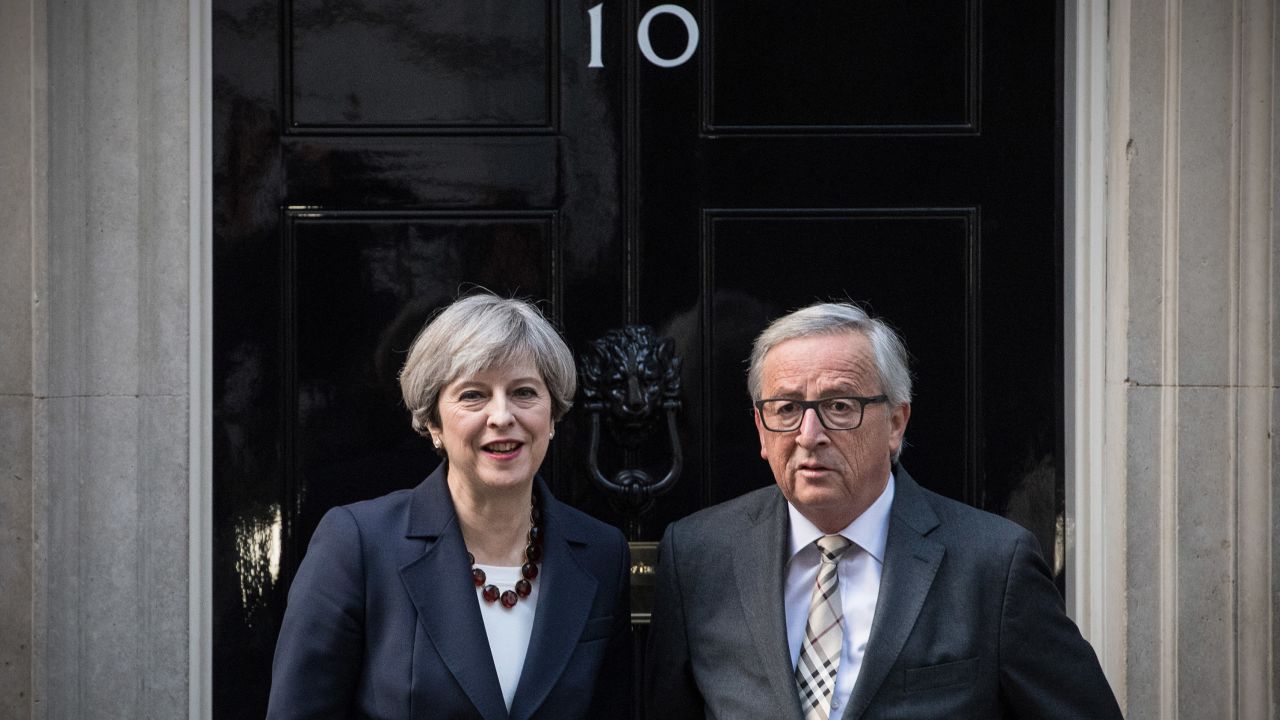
477, 333
831, 319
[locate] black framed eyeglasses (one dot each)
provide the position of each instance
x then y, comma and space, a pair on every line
835, 413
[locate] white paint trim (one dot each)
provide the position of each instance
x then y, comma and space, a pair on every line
1095, 481
1086, 145
200, 362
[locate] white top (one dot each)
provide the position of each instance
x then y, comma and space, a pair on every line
859, 572
509, 630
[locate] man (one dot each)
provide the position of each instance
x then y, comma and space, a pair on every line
848, 591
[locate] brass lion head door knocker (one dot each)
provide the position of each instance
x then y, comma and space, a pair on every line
631, 381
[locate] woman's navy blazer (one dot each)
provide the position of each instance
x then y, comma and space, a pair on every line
383, 620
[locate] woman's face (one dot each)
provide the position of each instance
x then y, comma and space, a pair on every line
495, 427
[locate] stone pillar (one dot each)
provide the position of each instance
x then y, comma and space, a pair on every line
109, 382
1192, 358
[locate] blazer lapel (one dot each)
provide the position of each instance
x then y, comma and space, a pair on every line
910, 564
564, 605
438, 583
759, 555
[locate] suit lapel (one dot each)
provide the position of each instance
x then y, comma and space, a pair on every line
910, 564
438, 584
564, 605
758, 565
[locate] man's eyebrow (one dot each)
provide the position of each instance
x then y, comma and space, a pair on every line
783, 391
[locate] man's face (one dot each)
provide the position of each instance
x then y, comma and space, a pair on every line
830, 476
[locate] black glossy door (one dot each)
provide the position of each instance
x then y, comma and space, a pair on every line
373, 157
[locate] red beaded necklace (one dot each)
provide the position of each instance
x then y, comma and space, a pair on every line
529, 571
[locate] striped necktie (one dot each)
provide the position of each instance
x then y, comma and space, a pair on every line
823, 635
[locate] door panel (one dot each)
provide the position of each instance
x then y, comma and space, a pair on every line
394, 66
877, 66
374, 157
360, 288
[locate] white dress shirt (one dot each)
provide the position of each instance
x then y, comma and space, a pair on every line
859, 573
508, 629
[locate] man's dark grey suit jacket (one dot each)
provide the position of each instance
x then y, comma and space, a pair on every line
968, 623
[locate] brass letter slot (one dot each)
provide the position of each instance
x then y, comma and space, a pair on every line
644, 566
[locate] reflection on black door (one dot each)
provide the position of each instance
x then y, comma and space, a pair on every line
728, 163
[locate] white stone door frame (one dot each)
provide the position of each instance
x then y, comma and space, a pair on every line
1095, 442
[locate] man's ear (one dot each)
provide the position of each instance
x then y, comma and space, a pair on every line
898, 426
755, 414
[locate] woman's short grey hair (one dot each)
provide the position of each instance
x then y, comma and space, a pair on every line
476, 333
829, 319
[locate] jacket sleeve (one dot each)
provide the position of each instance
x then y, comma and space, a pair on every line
1047, 669
670, 689
321, 645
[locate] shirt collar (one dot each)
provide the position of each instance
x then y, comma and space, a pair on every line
869, 531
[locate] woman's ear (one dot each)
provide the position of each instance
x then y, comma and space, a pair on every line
435, 432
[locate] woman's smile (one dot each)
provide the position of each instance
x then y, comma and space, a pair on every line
502, 449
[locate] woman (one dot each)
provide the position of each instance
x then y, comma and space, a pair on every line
476, 594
